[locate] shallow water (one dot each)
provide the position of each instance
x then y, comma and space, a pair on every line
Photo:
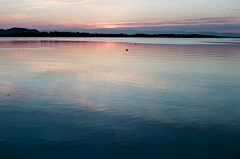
80, 99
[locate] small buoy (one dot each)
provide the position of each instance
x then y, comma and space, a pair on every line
126, 49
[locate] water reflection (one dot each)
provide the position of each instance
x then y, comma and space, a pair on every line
151, 100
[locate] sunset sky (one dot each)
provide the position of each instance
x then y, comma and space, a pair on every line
153, 15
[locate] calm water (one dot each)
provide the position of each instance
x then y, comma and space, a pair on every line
78, 98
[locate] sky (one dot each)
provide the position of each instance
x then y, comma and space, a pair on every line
151, 15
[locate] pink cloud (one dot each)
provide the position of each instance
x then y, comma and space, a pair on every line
189, 22
14, 16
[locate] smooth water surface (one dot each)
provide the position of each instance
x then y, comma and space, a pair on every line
128, 40
82, 99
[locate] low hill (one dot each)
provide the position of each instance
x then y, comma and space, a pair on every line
18, 30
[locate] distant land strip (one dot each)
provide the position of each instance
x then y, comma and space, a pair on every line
23, 32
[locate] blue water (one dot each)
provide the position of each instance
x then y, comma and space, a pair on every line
76, 98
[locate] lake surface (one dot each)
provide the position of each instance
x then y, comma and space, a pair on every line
90, 98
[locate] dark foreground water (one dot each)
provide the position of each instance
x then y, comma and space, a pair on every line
73, 99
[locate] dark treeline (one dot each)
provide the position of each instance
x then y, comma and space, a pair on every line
78, 34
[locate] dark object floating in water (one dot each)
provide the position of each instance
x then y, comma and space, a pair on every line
8, 95
126, 49
135, 44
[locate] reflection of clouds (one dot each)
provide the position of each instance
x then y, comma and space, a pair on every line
105, 75
5, 73
239, 110
6, 87
124, 77
145, 82
117, 103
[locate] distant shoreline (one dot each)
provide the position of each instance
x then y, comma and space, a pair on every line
71, 34
23, 32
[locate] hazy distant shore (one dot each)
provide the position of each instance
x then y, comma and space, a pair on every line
23, 32
77, 34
